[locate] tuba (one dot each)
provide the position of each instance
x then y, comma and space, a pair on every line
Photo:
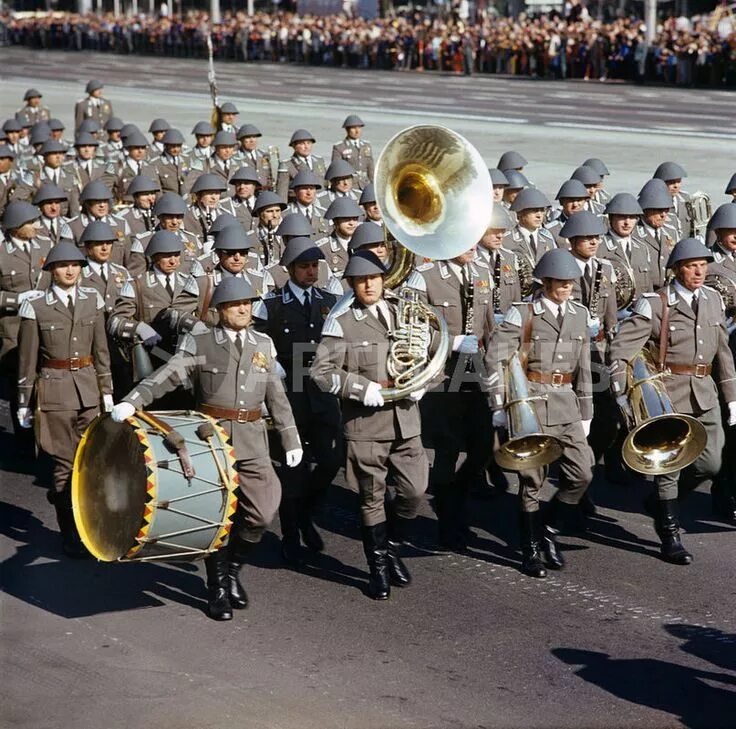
274, 164
699, 209
625, 286
660, 440
528, 446
525, 269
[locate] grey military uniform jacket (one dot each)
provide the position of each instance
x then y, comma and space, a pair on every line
504, 271
83, 175
336, 256
660, 245
49, 330
606, 311
242, 210
221, 377
691, 340
67, 182
88, 108
294, 165
320, 225
353, 353
110, 290
518, 245
137, 220
552, 348
192, 253
119, 175
261, 165
57, 230
360, 156
171, 173
637, 262
722, 266
31, 115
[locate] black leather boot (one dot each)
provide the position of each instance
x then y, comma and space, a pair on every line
308, 505
587, 505
291, 545
71, 543
530, 528
553, 519
668, 529
218, 603
375, 545
398, 534
237, 554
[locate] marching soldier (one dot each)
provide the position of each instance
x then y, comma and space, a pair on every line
654, 231
723, 225
369, 237
517, 183
529, 237
268, 209
228, 117
119, 175
139, 216
64, 367
601, 195
370, 206
622, 248
572, 196
684, 325
13, 129
344, 214
673, 174
56, 130
499, 183
456, 413
32, 112
301, 142
340, 175
157, 129
355, 151
207, 191
306, 201
551, 335
95, 106
293, 317
10, 178
96, 202
233, 371
221, 162
502, 263
86, 166
351, 364
592, 180
511, 161
248, 155
203, 133
246, 183
112, 149
53, 170
52, 224
170, 168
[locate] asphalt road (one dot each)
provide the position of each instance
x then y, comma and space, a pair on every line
618, 639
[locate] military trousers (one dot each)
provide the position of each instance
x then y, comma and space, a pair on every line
259, 496
575, 467
367, 468
706, 466
58, 433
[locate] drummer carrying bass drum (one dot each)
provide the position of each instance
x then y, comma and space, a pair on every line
233, 370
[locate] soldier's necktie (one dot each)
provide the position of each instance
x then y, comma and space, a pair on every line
307, 304
169, 287
103, 272
54, 226
382, 318
694, 304
70, 304
560, 313
533, 243
239, 343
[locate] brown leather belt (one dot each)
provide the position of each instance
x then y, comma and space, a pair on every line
556, 379
698, 370
75, 363
239, 416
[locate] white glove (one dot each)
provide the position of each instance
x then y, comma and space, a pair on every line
24, 417
731, 413
373, 397
594, 327
199, 328
499, 419
122, 411
586, 427
417, 395
294, 458
29, 295
465, 344
149, 336
107, 403
623, 402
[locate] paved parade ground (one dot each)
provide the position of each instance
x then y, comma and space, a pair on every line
618, 639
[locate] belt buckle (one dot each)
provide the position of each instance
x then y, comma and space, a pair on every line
701, 370
557, 379
242, 416
74, 363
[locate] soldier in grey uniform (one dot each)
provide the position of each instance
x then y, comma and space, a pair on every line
370, 205
673, 174
234, 372
654, 231
339, 175
511, 160
307, 202
502, 263
63, 374
301, 142
139, 217
551, 334
248, 155
94, 106
372, 238
221, 161
207, 191
517, 183
601, 195
499, 182
351, 364
268, 209
112, 148
54, 170
529, 237
227, 115
86, 166
592, 180
293, 317
203, 133
455, 415
572, 197
344, 214
246, 184
13, 129
157, 129
118, 175
629, 256
32, 111
10, 178
49, 199
355, 150
683, 324
170, 167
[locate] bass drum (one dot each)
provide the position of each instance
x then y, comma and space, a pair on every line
160, 486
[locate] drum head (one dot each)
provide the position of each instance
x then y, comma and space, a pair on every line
109, 488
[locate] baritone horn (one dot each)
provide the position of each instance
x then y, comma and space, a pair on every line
527, 446
660, 440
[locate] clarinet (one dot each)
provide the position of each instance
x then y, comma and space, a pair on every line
469, 296
497, 285
595, 293
270, 239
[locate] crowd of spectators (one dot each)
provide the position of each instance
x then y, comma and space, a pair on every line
571, 44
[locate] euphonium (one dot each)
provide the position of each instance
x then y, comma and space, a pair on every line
528, 446
660, 440
700, 210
